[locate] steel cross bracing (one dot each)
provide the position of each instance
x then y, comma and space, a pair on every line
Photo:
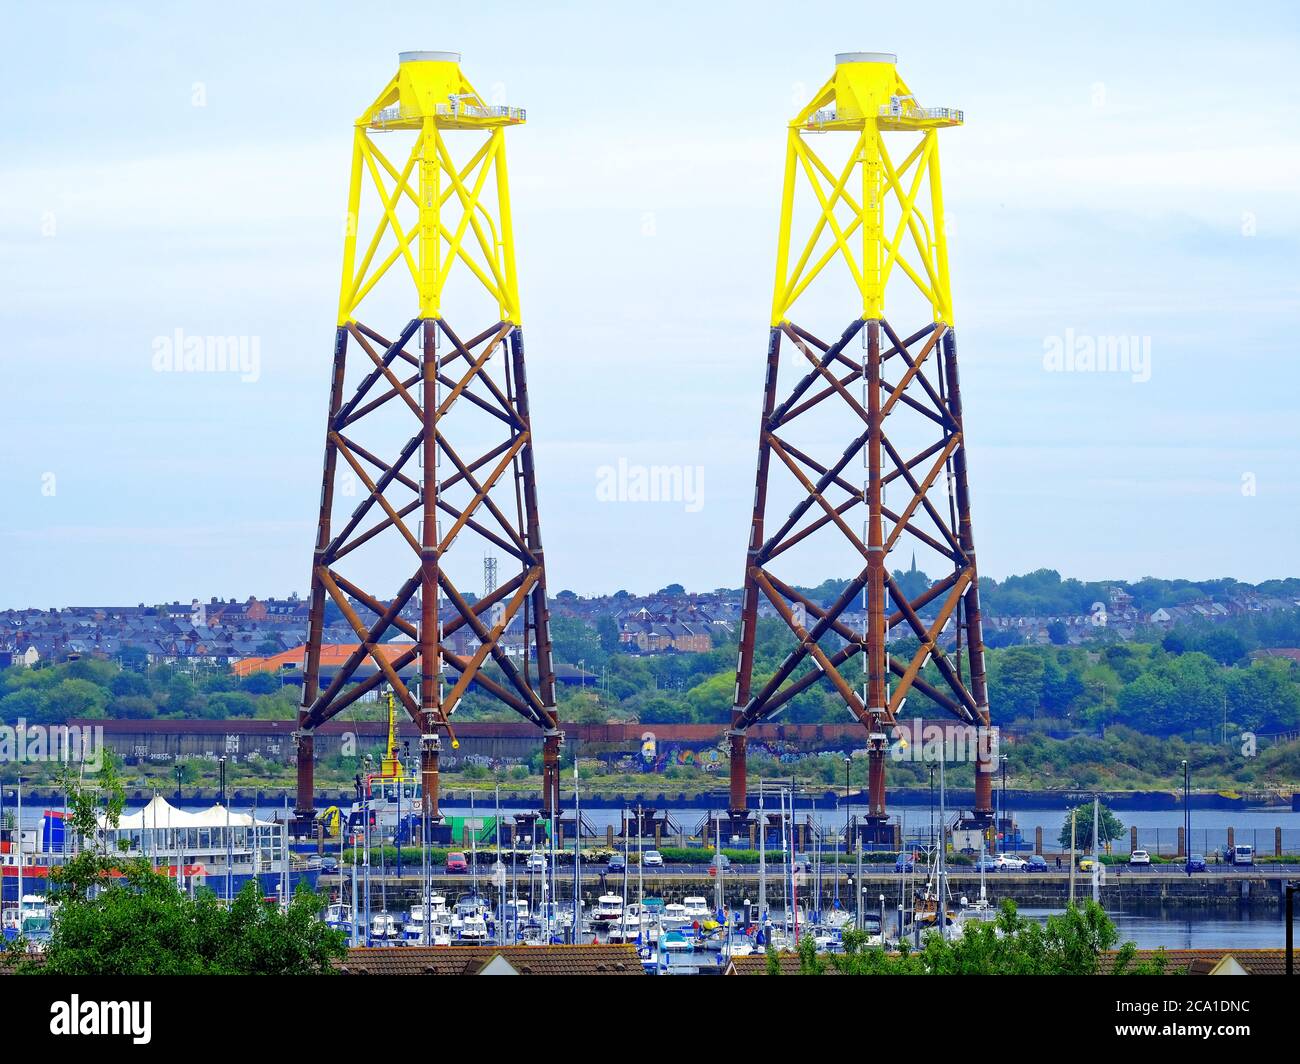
429, 493
913, 375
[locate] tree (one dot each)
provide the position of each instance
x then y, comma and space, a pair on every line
261, 683
1069, 943
76, 698
1058, 633
1108, 827
607, 633
573, 641
1223, 646
710, 701
1016, 681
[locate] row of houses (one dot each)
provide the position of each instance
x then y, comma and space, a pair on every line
672, 620
216, 632
213, 632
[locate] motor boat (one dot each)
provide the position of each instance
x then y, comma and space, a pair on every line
608, 910
696, 909
338, 916
383, 928
674, 916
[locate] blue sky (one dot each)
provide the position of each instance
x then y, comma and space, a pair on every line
1122, 171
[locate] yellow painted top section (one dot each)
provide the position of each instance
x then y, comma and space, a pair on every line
435, 214
880, 214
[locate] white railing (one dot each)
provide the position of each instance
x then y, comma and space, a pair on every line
456, 109
906, 107
900, 107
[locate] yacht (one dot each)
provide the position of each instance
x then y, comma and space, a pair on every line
473, 928
609, 910
383, 928
696, 909
427, 921
674, 916
338, 916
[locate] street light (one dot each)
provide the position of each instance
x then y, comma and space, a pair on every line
1187, 816
21, 780
1290, 928
221, 761
848, 761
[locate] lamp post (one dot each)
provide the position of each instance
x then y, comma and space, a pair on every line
221, 761
180, 835
848, 762
1290, 928
1002, 827
20, 854
1187, 817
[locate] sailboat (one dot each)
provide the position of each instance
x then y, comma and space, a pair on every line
981, 909
937, 897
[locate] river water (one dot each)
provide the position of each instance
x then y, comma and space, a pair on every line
1157, 828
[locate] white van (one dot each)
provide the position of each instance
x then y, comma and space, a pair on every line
1243, 855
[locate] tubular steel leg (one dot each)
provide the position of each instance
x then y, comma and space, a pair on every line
305, 746
877, 661
974, 625
738, 799
551, 774
430, 636
430, 749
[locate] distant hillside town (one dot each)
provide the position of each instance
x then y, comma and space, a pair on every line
1038, 608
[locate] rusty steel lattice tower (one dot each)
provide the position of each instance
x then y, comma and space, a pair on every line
407, 402
890, 399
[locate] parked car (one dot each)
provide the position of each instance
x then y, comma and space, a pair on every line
313, 863
1036, 863
329, 866
802, 863
986, 864
905, 862
1243, 855
1196, 863
617, 865
652, 859
536, 862
456, 864
1139, 858
1010, 862
719, 861
1086, 862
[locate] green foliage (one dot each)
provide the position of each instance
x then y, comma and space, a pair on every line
607, 633
1109, 827
573, 641
1069, 943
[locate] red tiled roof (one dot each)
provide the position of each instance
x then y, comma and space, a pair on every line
470, 960
331, 655
1200, 961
